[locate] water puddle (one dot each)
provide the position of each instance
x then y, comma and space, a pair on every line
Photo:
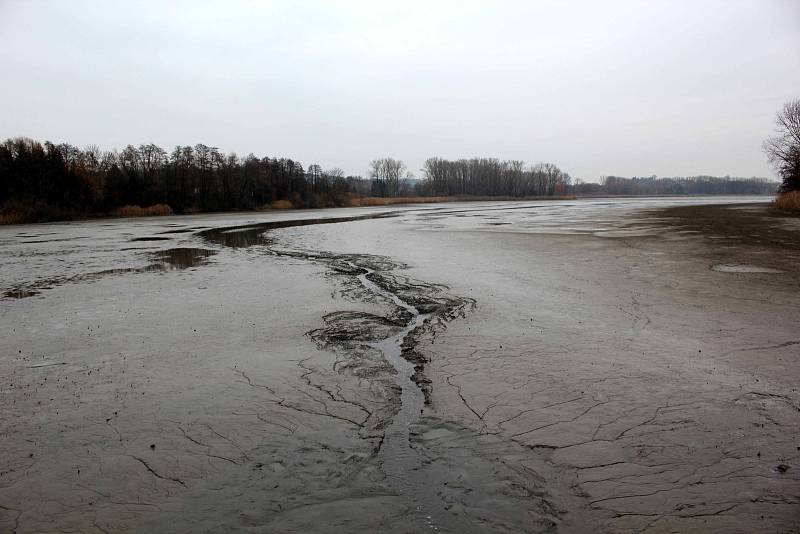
253, 234
163, 260
183, 258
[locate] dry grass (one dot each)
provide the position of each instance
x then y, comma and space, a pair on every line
13, 217
18, 212
138, 211
281, 205
789, 202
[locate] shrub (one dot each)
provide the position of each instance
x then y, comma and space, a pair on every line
158, 210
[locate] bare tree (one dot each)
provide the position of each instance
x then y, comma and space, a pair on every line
783, 148
334, 173
387, 173
314, 176
492, 177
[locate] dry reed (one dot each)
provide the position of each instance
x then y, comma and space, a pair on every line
155, 210
789, 202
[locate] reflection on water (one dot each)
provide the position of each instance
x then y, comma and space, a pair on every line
164, 260
253, 234
183, 258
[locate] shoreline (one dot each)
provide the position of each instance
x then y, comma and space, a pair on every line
364, 202
372, 202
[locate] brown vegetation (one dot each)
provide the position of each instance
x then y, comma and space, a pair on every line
789, 202
281, 205
156, 210
20, 212
12, 217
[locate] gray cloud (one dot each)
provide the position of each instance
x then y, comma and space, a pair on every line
664, 87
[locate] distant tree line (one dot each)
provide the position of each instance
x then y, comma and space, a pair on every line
492, 177
693, 185
47, 181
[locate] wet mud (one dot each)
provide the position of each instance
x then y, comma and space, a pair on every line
599, 366
749, 238
417, 309
384, 347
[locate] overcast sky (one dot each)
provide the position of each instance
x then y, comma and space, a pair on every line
627, 88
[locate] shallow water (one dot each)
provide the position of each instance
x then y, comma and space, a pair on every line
43, 255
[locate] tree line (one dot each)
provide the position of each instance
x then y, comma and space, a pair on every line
692, 185
493, 177
47, 181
